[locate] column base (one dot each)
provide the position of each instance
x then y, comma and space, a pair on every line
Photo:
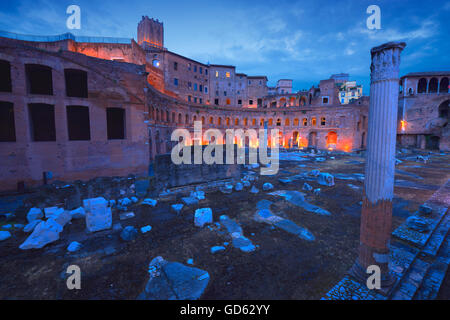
388, 279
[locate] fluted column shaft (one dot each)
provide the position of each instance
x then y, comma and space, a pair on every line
376, 215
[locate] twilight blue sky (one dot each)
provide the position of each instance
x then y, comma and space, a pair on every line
304, 40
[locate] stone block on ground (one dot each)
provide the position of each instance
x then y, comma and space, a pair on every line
203, 216
98, 214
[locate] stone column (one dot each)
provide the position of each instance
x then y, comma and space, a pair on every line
376, 215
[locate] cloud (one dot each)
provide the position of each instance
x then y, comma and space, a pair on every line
427, 29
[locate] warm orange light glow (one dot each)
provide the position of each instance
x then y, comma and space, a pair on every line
403, 125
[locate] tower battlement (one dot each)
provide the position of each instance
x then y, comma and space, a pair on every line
150, 31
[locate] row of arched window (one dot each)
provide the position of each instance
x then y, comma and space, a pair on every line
433, 85
172, 117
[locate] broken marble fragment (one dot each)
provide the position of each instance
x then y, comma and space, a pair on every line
177, 207
298, 199
246, 183
126, 215
34, 214
227, 188
149, 202
146, 229
200, 195
78, 213
30, 227
263, 214
189, 201
254, 190
74, 246
4, 235
129, 233
325, 179
267, 186
174, 281
237, 235
52, 212
43, 234
125, 202
216, 249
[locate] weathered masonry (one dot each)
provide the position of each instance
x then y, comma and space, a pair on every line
424, 110
68, 116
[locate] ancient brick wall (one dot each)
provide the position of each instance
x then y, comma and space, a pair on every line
110, 84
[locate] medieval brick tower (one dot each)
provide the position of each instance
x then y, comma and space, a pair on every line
150, 32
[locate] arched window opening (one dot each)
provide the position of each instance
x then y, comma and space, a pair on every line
305, 122
422, 86
433, 86
443, 86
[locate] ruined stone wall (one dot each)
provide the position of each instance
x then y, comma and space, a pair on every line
170, 175
110, 84
131, 53
422, 120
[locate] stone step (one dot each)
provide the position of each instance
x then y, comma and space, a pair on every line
411, 281
437, 238
436, 274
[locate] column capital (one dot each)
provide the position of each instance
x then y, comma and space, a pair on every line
386, 61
